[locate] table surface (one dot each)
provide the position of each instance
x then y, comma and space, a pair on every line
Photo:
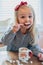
4, 55
14, 56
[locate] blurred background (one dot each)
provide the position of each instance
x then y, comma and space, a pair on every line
7, 17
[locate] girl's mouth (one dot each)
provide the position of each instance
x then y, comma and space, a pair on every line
26, 24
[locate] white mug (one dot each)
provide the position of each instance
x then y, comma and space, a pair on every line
25, 54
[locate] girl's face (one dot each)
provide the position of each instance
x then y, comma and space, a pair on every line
25, 16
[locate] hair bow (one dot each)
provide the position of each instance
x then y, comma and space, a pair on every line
18, 6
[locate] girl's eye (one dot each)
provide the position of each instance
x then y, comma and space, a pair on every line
29, 16
22, 16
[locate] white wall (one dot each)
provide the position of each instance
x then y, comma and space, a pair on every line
42, 14
42, 11
40, 27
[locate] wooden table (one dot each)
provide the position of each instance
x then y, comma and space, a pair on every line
14, 55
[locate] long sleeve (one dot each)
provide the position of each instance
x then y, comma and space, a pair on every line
36, 49
7, 38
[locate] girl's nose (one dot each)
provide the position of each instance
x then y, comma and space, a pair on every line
27, 19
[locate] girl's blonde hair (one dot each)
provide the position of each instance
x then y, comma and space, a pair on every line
32, 29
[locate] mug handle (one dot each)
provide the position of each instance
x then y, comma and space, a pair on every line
30, 53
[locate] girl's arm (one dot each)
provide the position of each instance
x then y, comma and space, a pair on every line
35, 46
8, 37
36, 49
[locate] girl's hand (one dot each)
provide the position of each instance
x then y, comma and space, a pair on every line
23, 28
16, 28
40, 56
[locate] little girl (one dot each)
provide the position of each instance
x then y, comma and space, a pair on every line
23, 33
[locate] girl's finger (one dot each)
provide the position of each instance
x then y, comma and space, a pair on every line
22, 25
